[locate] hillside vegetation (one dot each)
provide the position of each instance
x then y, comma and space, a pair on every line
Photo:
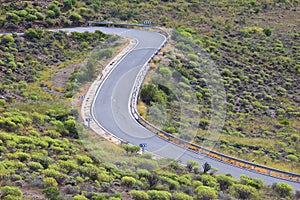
46, 153
261, 99
257, 56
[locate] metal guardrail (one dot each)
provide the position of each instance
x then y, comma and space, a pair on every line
194, 147
180, 142
118, 24
131, 25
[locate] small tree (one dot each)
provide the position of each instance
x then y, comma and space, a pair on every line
126, 147
190, 164
150, 93
206, 167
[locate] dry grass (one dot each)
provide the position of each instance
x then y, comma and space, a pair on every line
142, 109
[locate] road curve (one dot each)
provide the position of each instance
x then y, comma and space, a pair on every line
111, 106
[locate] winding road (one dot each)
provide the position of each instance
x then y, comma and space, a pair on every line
111, 107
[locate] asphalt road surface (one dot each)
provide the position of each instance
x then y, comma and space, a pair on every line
111, 106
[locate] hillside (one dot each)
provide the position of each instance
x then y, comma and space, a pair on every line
46, 154
253, 44
261, 100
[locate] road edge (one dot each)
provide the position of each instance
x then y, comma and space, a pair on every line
88, 101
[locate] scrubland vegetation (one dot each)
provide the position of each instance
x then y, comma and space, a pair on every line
254, 45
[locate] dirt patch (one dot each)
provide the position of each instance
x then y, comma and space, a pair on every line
60, 78
33, 194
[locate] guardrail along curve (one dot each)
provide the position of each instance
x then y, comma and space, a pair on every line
294, 177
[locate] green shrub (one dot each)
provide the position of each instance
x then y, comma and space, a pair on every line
267, 31
12, 192
71, 127
159, 195
80, 197
20, 156
68, 165
10, 197
205, 193
295, 137
283, 189
50, 182
76, 18
53, 173
35, 166
55, 10
68, 4
226, 73
292, 158
131, 148
150, 93
81, 159
104, 54
225, 181
173, 185
139, 195
208, 180
128, 181
166, 72
281, 91
102, 177
181, 196
143, 173
243, 191
2, 102
254, 182
13, 18
7, 39
50, 14
185, 179
2, 21
31, 17
89, 170
51, 193
32, 34
39, 16
114, 198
